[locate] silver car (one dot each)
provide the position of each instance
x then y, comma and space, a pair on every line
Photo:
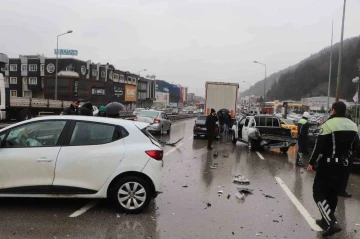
159, 121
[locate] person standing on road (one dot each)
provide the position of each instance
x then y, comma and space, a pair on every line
73, 109
86, 109
342, 191
337, 138
211, 120
303, 129
102, 111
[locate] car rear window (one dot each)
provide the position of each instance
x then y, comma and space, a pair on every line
148, 113
201, 118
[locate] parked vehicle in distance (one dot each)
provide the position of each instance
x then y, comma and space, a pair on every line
200, 129
262, 130
137, 111
158, 120
24, 108
175, 111
289, 124
81, 157
221, 95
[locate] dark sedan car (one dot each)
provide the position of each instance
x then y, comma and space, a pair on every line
200, 127
313, 133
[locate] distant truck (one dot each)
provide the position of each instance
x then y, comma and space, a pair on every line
221, 96
23, 108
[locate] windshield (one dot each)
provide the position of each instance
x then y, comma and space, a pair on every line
139, 109
146, 113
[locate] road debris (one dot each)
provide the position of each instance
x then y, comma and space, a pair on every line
117, 215
240, 196
185, 186
245, 191
276, 221
207, 205
213, 167
226, 156
268, 196
357, 224
220, 192
228, 196
241, 180
216, 154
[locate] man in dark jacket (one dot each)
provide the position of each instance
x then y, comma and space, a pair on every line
337, 138
86, 109
303, 129
73, 109
211, 120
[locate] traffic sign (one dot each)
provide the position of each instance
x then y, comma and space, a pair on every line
66, 52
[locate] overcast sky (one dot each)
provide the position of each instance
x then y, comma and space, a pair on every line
180, 41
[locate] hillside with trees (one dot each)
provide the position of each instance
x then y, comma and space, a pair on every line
309, 78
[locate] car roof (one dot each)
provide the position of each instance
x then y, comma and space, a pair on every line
115, 121
158, 111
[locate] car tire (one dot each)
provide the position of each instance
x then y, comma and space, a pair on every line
24, 115
252, 145
233, 138
284, 150
131, 194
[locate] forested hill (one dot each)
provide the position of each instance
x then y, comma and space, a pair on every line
310, 77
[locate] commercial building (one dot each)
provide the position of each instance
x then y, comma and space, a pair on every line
145, 93
162, 99
319, 103
34, 76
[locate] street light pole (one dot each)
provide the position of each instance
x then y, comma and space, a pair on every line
56, 67
264, 79
249, 92
330, 67
338, 80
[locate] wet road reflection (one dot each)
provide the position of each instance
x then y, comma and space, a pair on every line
190, 186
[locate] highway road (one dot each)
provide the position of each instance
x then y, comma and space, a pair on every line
280, 206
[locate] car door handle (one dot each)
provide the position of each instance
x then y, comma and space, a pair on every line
44, 160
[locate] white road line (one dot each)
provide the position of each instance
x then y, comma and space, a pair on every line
260, 156
85, 208
299, 206
172, 150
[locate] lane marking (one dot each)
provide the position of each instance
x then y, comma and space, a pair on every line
172, 150
85, 208
299, 206
260, 156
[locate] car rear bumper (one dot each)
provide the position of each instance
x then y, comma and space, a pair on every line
154, 127
153, 170
203, 132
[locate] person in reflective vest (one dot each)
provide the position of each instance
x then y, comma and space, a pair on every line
303, 129
337, 138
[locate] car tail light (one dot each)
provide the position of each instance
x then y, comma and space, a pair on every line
155, 154
197, 127
217, 129
157, 121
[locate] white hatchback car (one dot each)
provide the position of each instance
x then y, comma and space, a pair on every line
81, 157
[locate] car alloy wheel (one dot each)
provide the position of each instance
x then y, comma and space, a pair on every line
132, 195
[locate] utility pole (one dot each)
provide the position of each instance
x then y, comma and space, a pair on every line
338, 80
330, 67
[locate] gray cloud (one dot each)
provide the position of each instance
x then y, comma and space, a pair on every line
187, 42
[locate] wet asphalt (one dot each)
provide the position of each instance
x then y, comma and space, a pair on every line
190, 205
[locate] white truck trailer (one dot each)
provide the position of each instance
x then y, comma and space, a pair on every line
220, 96
23, 108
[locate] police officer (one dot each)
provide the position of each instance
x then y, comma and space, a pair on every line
303, 129
337, 137
211, 120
